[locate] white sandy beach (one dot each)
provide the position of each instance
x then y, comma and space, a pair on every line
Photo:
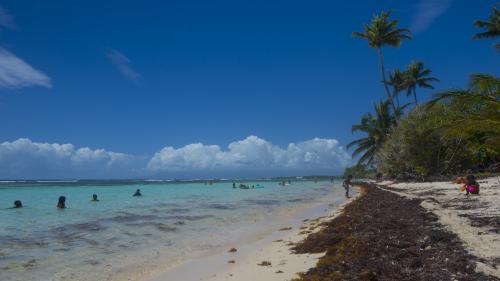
243, 265
475, 219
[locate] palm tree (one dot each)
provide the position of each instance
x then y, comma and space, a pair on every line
480, 106
397, 82
492, 26
417, 76
377, 127
380, 32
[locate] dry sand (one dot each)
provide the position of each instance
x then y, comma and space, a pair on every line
243, 264
475, 219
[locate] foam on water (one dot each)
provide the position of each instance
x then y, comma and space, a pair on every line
123, 235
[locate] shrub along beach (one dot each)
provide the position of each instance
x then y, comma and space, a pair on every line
455, 132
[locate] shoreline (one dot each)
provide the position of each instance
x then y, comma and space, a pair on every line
274, 247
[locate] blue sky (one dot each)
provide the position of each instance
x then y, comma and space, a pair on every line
134, 78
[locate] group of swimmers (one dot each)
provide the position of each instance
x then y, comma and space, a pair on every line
245, 186
61, 202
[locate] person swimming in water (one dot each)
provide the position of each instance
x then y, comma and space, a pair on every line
137, 193
61, 203
94, 197
18, 204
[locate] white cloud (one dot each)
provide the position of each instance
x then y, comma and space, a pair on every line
122, 63
15, 73
6, 20
427, 12
252, 153
27, 159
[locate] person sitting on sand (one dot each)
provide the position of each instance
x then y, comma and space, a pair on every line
346, 184
61, 203
94, 197
18, 204
471, 185
138, 193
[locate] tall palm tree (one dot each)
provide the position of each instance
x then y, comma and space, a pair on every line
381, 32
397, 82
417, 76
492, 26
377, 127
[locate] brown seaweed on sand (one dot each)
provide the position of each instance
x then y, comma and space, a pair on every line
382, 236
264, 263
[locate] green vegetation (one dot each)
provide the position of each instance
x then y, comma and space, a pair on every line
360, 171
457, 131
377, 128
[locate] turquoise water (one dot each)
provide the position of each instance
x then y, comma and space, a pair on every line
128, 236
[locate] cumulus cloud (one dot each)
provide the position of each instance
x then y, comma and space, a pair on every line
123, 64
6, 20
427, 12
252, 156
26, 159
16, 73
252, 153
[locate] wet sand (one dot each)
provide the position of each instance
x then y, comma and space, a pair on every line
269, 257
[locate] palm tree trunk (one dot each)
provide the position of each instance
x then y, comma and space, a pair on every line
384, 81
415, 96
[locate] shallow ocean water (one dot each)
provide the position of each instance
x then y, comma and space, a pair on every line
129, 236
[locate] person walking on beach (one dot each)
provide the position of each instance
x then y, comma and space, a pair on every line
61, 203
346, 184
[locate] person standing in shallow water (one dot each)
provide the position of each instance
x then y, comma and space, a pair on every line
94, 197
61, 203
137, 193
346, 184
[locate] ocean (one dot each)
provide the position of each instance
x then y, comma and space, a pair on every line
122, 237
